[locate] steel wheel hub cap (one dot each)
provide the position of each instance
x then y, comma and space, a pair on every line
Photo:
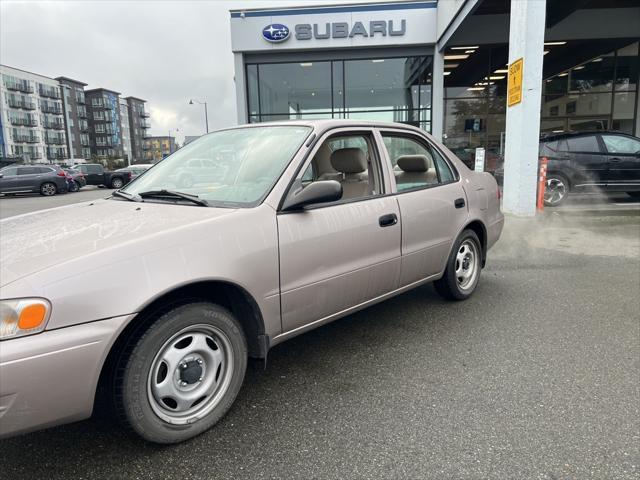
466, 265
555, 191
190, 374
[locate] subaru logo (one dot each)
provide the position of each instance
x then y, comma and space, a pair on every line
275, 33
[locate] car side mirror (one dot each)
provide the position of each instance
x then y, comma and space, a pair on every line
317, 192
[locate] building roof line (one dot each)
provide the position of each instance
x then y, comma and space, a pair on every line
71, 80
91, 90
135, 98
27, 71
318, 9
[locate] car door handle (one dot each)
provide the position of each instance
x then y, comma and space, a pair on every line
615, 160
388, 220
459, 202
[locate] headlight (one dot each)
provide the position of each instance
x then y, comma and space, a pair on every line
23, 316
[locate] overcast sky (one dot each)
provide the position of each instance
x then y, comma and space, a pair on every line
164, 51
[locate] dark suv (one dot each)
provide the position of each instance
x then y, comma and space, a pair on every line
45, 179
588, 161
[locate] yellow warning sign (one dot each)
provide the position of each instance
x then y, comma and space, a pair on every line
514, 83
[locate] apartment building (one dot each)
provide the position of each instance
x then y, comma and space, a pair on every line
31, 118
156, 148
138, 125
47, 120
77, 125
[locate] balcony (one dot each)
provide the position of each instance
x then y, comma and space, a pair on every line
52, 155
145, 125
51, 108
50, 92
21, 103
144, 114
54, 125
23, 87
59, 140
84, 126
82, 112
25, 138
85, 140
80, 99
104, 143
23, 121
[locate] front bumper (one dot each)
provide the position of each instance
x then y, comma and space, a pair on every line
51, 378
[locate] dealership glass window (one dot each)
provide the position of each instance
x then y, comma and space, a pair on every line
393, 89
627, 67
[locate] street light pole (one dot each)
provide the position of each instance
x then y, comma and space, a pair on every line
206, 114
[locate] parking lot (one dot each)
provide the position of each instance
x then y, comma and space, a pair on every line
536, 376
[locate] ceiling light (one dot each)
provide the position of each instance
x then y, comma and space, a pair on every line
545, 52
475, 88
455, 57
378, 60
554, 43
563, 74
496, 77
557, 131
597, 60
469, 51
580, 67
446, 73
451, 65
307, 64
502, 70
464, 48
313, 94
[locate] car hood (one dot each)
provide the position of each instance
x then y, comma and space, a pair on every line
41, 240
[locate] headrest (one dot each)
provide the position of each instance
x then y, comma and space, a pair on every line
413, 163
349, 160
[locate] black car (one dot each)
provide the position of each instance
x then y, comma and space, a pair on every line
95, 174
45, 179
587, 161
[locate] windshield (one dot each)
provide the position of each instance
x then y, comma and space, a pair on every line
235, 167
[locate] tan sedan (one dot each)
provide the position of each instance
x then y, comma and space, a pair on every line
158, 294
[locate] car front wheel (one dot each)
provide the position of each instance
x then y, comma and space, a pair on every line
182, 375
117, 183
47, 189
463, 268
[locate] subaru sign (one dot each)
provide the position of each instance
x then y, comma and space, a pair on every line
275, 33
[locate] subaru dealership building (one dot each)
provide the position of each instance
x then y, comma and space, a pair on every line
443, 66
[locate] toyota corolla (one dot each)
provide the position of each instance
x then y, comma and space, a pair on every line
157, 296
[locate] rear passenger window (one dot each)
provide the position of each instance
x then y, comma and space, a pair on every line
587, 143
25, 170
415, 165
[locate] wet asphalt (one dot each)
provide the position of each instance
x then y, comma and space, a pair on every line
536, 376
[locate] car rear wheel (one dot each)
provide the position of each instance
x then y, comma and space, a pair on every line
74, 187
556, 190
463, 268
117, 183
182, 375
48, 188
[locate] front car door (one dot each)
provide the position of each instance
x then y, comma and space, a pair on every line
433, 203
339, 255
623, 155
588, 161
27, 179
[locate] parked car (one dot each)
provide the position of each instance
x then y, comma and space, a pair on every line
78, 179
136, 169
159, 308
587, 161
95, 174
45, 179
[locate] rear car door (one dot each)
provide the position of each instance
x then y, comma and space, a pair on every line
338, 255
623, 155
433, 203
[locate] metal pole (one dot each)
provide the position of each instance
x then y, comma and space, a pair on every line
206, 116
66, 116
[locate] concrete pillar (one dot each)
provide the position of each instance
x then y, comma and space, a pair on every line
437, 101
241, 100
526, 41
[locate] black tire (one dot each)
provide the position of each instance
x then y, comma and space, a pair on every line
136, 403
563, 187
48, 189
117, 183
634, 195
449, 286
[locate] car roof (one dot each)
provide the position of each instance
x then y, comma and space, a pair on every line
328, 124
558, 136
